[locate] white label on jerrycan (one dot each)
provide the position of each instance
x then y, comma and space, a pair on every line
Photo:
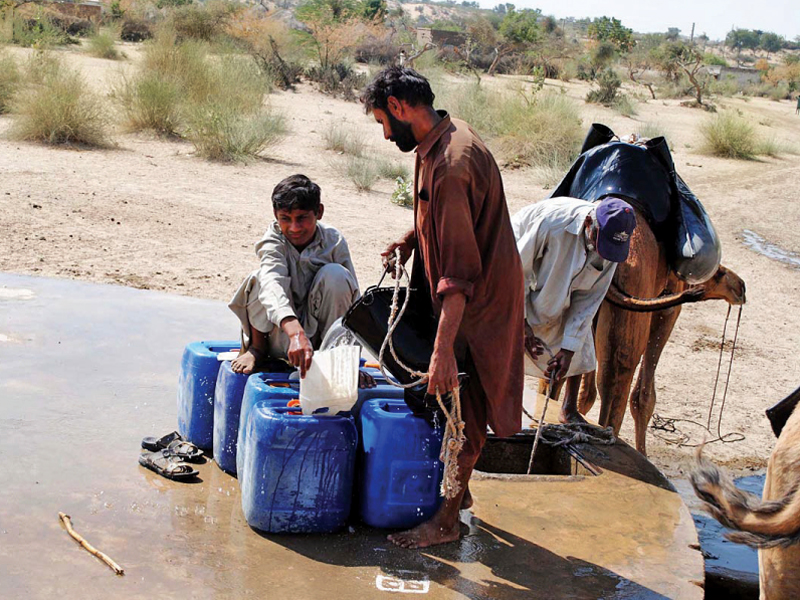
386, 583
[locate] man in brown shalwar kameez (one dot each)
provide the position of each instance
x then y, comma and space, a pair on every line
466, 250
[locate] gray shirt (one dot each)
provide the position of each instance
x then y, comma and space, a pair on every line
286, 274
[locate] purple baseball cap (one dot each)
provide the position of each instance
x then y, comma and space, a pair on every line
616, 221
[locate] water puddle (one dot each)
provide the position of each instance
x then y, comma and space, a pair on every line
16, 294
761, 245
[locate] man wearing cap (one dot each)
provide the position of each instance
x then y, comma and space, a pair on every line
569, 249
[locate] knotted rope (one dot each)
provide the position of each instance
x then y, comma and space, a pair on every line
453, 437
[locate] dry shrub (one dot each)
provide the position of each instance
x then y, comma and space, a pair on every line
204, 22
220, 131
341, 138
730, 136
57, 108
10, 78
151, 102
543, 130
268, 41
103, 45
362, 172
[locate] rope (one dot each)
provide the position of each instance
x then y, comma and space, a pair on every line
682, 439
394, 321
453, 437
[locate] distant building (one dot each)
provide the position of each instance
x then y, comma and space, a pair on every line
90, 10
742, 75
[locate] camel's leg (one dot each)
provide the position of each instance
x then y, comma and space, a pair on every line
588, 393
624, 335
643, 398
543, 388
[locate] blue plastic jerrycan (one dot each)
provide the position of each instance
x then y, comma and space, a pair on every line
400, 470
273, 388
298, 471
196, 385
227, 406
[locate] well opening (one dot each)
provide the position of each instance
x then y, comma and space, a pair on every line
510, 456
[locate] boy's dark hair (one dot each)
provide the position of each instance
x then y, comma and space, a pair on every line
296, 192
401, 82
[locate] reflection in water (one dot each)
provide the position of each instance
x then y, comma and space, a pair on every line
761, 245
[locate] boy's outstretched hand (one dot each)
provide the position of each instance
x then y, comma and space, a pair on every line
300, 350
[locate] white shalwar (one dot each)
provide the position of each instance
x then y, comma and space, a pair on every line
564, 282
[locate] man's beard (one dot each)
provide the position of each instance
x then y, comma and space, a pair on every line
401, 134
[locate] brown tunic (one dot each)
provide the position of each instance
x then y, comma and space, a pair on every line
466, 244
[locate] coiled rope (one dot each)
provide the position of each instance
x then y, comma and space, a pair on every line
453, 437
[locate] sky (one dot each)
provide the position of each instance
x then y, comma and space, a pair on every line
714, 17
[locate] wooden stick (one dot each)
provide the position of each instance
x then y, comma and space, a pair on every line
87, 546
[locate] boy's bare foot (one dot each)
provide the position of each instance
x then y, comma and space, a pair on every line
244, 363
571, 417
429, 533
365, 380
466, 501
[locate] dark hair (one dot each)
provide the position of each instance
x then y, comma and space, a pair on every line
401, 82
296, 192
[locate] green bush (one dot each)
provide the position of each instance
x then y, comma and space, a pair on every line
389, 169
38, 31
608, 90
403, 194
724, 87
713, 59
102, 45
10, 78
60, 110
729, 136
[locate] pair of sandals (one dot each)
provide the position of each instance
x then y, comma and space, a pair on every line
169, 456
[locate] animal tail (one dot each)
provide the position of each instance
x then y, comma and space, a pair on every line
619, 298
756, 523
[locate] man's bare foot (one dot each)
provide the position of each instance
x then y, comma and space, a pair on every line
429, 533
244, 363
466, 501
572, 417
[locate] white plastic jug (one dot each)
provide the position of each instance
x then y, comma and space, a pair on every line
332, 380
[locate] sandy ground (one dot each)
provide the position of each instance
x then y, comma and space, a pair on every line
149, 214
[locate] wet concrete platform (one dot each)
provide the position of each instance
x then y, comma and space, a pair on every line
87, 370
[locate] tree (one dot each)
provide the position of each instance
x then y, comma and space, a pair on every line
335, 28
742, 38
373, 9
770, 42
642, 57
518, 29
673, 33
689, 60
611, 30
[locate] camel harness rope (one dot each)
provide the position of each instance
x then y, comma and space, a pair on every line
453, 437
667, 424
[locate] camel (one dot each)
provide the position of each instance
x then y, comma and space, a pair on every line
771, 524
635, 322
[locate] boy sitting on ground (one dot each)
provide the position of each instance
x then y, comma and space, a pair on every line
306, 282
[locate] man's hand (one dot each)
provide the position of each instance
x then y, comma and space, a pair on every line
533, 345
406, 248
559, 364
443, 372
300, 350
